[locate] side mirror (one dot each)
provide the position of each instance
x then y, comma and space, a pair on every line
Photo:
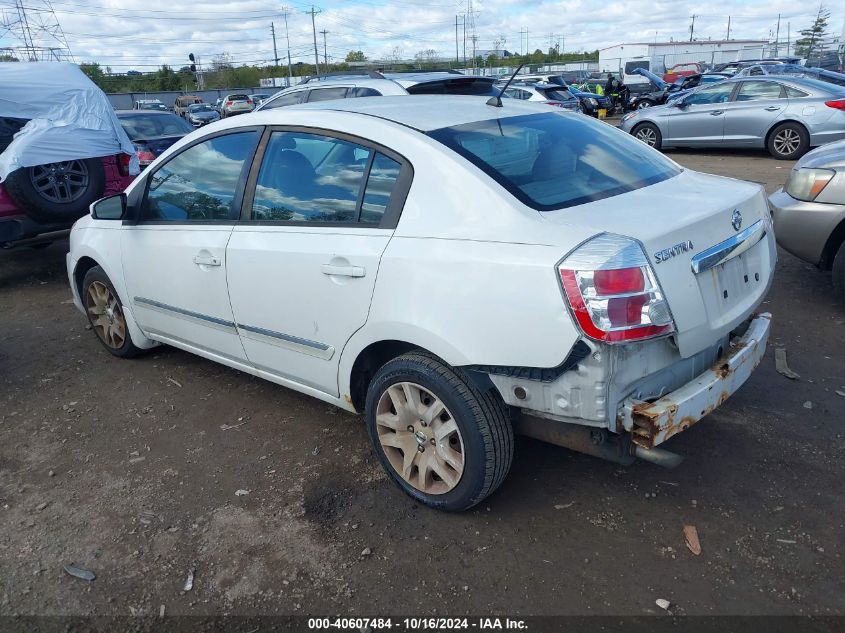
680, 103
111, 208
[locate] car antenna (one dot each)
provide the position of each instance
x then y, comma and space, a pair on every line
496, 101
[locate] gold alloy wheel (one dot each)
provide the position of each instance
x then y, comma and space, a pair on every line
105, 315
420, 438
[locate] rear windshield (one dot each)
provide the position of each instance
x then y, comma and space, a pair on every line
145, 126
460, 86
238, 98
551, 161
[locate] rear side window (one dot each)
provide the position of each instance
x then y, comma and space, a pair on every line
794, 92
200, 184
312, 178
365, 92
380, 184
551, 161
326, 94
286, 100
559, 95
755, 90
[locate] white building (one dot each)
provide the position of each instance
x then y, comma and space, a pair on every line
659, 56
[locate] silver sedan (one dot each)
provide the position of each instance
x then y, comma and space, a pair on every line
786, 115
809, 212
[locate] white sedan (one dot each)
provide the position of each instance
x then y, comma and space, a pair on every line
454, 270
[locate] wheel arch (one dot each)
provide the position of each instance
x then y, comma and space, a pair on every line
778, 123
362, 358
83, 265
831, 247
89, 260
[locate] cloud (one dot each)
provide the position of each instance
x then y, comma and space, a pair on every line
142, 34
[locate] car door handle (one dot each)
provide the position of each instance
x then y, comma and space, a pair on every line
717, 112
206, 260
343, 271
772, 108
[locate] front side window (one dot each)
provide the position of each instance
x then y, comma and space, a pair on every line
755, 90
200, 184
551, 161
719, 93
313, 178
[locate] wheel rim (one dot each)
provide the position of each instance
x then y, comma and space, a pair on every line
60, 182
643, 104
787, 141
420, 438
647, 136
106, 315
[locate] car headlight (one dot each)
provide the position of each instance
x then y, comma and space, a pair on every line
807, 184
592, 101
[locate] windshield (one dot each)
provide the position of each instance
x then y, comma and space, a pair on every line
551, 161
145, 126
202, 107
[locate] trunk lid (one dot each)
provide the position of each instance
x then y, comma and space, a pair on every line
684, 218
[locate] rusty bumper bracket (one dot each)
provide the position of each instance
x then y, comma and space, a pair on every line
652, 423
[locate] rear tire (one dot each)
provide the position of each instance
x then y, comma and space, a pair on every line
58, 192
839, 273
788, 141
440, 439
105, 314
649, 134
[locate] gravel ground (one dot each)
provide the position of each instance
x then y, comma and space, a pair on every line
132, 469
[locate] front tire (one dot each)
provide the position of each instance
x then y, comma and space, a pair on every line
649, 134
645, 103
440, 439
105, 314
788, 141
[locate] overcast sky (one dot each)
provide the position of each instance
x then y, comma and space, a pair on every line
142, 34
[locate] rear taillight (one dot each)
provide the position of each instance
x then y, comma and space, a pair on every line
145, 156
613, 291
839, 104
555, 103
123, 164
228, 103
249, 101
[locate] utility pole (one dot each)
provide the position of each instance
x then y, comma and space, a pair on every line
777, 36
457, 58
692, 27
788, 32
324, 32
275, 52
287, 37
313, 12
729, 28
464, 22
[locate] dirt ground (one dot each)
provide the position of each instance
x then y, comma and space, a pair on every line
132, 469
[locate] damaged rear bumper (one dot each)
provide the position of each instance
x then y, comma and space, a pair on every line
652, 423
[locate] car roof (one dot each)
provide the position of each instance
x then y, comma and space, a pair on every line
423, 112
